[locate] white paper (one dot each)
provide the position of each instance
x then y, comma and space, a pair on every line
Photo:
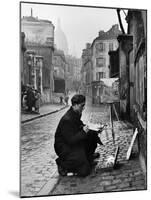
94, 127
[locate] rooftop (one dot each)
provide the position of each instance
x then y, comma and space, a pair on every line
110, 34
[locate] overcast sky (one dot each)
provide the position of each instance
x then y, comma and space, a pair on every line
80, 24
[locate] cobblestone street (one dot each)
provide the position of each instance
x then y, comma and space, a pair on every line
39, 172
128, 174
37, 153
128, 177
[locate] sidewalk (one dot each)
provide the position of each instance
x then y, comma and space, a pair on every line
44, 111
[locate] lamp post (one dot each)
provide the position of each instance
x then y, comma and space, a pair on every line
30, 62
38, 68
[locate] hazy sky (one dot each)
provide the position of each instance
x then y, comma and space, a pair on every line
80, 24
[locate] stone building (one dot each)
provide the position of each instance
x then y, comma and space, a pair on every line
137, 60
73, 69
59, 66
131, 58
86, 71
60, 38
22, 59
96, 65
39, 42
105, 42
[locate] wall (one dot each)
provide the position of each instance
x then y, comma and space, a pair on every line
40, 38
47, 69
36, 30
138, 65
125, 46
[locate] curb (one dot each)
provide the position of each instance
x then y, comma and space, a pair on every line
49, 186
42, 115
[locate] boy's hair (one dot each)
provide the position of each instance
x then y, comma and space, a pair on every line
77, 99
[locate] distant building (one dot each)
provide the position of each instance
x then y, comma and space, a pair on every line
77, 69
95, 64
59, 66
87, 71
39, 42
105, 42
73, 71
61, 39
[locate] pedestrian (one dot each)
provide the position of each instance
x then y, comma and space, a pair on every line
37, 101
23, 91
74, 143
30, 99
61, 99
66, 99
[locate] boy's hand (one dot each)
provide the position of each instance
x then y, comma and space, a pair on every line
86, 128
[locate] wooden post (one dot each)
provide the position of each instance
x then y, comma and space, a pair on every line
116, 114
111, 122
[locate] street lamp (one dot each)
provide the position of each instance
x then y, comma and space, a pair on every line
30, 62
38, 68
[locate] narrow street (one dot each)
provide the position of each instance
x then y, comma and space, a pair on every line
39, 170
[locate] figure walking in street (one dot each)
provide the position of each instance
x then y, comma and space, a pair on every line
30, 99
61, 100
74, 143
66, 99
37, 101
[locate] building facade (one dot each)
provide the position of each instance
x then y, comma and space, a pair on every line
105, 42
137, 25
61, 39
131, 57
22, 59
87, 71
96, 61
39, 40
73, 72
59, 66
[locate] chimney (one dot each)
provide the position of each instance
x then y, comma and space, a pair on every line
101, 33
88, 45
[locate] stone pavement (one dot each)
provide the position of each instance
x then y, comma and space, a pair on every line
45, 110
125, 177
37, 153
128, 177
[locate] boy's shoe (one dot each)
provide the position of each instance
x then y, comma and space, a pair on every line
72, 174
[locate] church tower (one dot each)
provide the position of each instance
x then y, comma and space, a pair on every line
60, 39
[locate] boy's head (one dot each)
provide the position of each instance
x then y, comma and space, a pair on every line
78, 103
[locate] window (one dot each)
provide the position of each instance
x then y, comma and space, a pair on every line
100, 62
100, 47
99, 75
110, 46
